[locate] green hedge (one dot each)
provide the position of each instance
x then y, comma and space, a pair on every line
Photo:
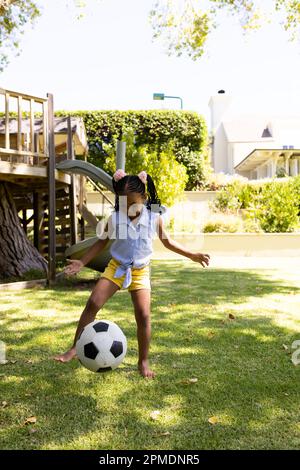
184, 131
274, 205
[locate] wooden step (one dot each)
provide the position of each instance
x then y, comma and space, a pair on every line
65, 230
60, 239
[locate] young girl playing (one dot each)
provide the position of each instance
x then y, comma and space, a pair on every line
133, 224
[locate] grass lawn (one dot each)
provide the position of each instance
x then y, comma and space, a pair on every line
246, 384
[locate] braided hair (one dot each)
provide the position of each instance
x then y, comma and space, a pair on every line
133, 184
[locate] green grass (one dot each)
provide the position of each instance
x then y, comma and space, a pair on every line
245, 375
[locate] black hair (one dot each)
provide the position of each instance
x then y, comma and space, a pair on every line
133, 184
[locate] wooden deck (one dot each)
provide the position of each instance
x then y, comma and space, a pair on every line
24, 174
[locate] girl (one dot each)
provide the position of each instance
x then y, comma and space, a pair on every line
133, 224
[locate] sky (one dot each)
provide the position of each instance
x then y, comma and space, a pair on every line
108, 60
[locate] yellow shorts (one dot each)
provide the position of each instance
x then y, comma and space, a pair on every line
140, 276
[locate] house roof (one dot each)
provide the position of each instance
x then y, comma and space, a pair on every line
260, 156
60, 130
248, 130
259, 128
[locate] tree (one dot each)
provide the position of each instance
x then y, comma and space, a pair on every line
17, 254
185, 25
15, 16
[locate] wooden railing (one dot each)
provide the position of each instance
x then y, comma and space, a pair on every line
27, 144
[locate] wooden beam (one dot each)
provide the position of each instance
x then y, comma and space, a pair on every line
7, 142
19, 137
15, 94
51, 189
32, 146
22, 152
22, 284
37, 219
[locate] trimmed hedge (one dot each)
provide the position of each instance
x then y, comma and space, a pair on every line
185, 131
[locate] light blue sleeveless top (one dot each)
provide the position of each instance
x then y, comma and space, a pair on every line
133, 244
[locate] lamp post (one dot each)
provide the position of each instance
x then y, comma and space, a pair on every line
162, 96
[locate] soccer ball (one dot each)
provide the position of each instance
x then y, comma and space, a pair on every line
101, 346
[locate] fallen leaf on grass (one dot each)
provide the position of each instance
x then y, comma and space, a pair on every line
12, 362
178, 365
211, 334
162, 434
213, 420
4, 404
30, 420
154, 414
189, 381
285, 347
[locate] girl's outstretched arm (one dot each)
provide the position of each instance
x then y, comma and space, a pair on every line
172, 245
75, 265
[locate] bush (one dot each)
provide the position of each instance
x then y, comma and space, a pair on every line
272, 206
185, 131
169, 176
228, 199
197, 166
217, 181
277, 208
295, 185
223, 224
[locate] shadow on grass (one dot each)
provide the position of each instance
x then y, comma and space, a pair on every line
245, 377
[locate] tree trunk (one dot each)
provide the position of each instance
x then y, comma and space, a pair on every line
17, 254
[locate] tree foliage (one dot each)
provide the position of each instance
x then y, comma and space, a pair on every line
15, 17
185, 25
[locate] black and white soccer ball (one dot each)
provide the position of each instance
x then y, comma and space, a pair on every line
101, 346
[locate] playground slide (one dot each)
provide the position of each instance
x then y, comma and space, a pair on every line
80, 167
98, 263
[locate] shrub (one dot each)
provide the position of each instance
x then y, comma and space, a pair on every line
221, 223
169, 176
277, 208
197, 166
228, 199
295, 185
271, 206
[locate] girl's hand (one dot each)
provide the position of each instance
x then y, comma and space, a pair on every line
201, 258
75, 265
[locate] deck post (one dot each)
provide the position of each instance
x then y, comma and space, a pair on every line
37, 219
51, 191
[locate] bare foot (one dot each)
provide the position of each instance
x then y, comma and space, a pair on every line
145, 371
67, 356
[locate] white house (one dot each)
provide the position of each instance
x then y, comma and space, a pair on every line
254, 147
